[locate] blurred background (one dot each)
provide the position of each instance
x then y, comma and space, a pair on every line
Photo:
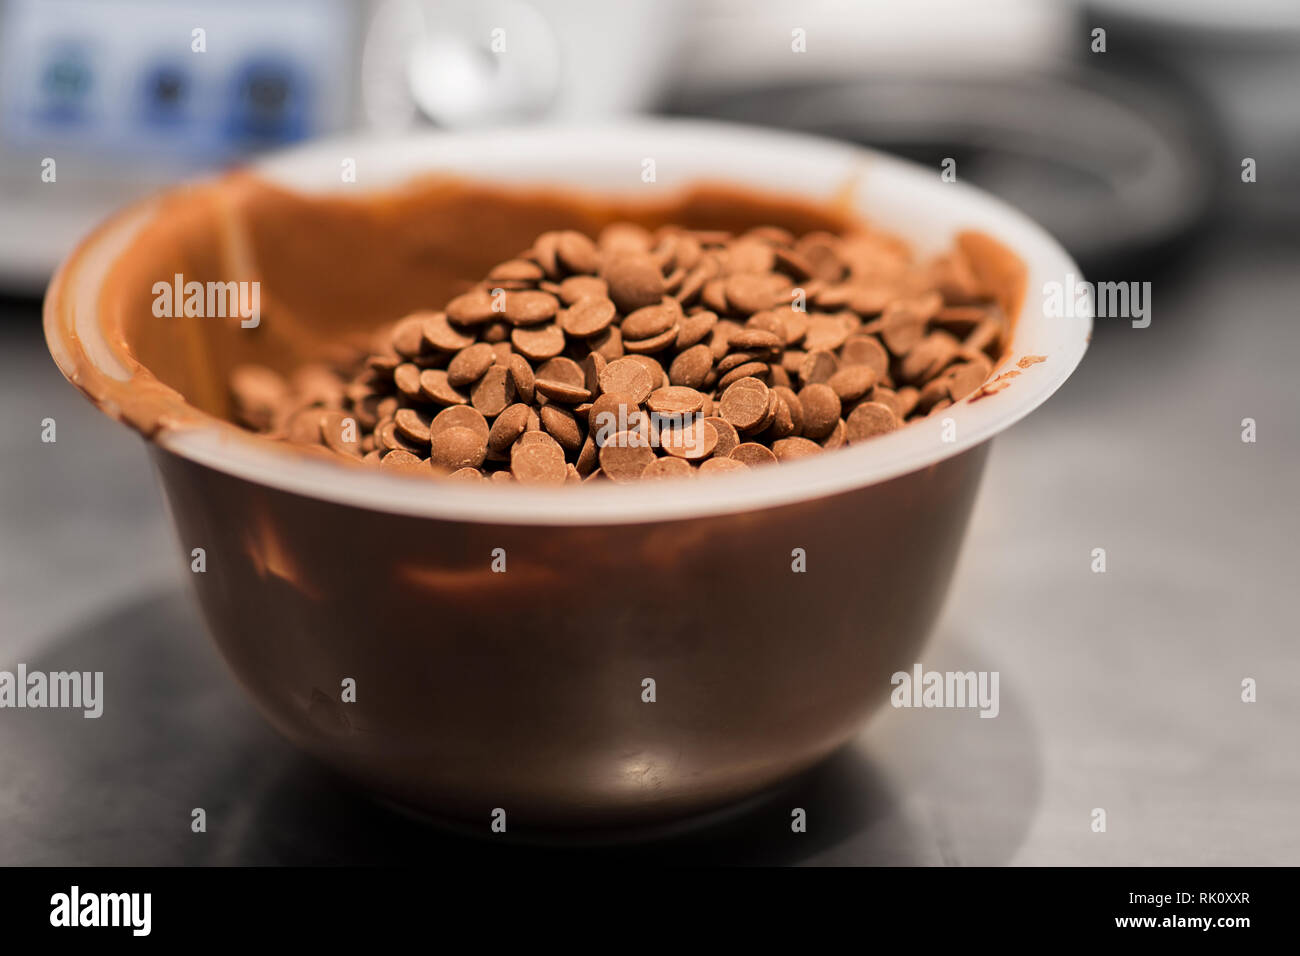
1119, 690
1123, 154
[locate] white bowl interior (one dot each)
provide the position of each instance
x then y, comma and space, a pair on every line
904, 198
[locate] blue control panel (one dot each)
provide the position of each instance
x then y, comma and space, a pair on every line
187, 83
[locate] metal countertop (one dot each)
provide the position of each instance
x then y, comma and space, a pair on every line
1118, 690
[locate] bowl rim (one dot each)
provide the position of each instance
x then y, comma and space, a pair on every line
763, 159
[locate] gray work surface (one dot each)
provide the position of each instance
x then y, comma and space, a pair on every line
1119, 691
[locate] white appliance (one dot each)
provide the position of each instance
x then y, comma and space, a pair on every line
103, 100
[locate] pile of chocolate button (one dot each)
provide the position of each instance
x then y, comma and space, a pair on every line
641, 354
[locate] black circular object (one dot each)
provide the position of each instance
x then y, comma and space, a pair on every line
1112, 166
